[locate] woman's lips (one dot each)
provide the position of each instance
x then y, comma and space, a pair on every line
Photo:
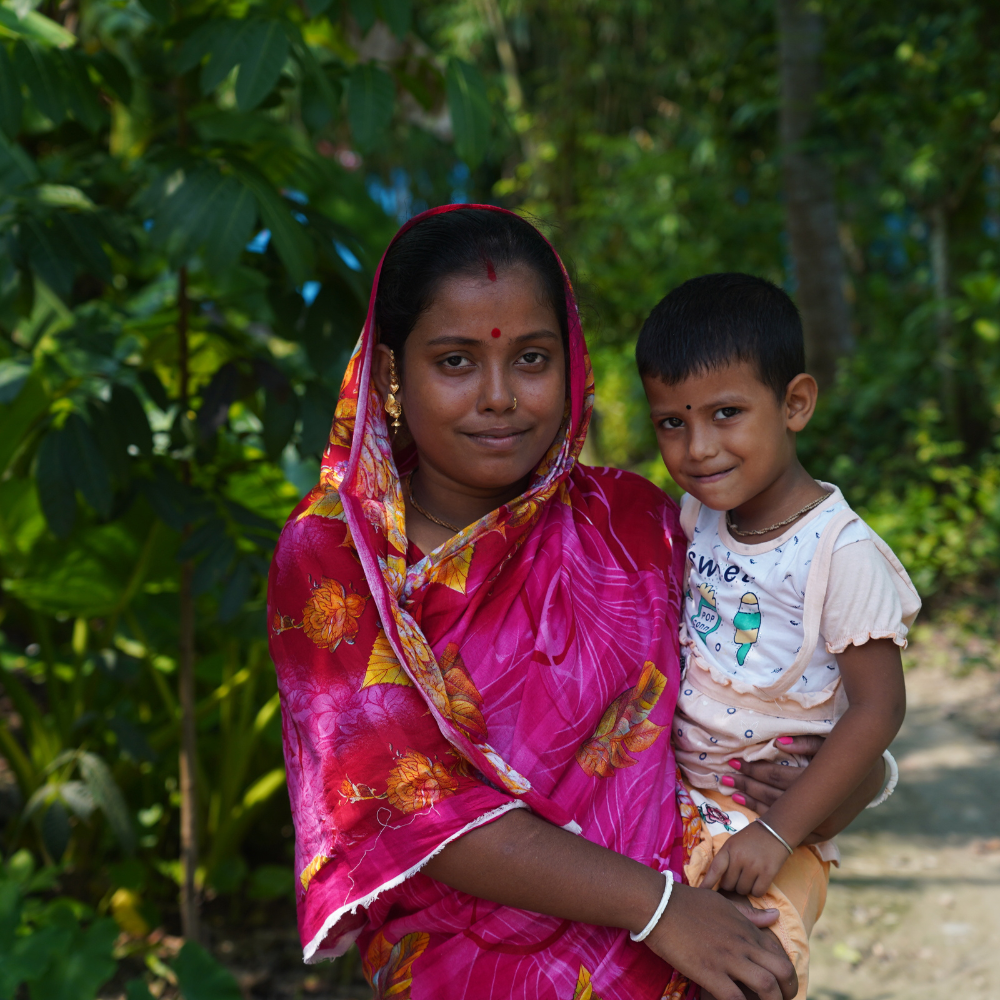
713, 477
498, 438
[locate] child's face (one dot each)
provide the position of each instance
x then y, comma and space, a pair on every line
724, 435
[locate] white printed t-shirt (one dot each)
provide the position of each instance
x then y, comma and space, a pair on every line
762, 624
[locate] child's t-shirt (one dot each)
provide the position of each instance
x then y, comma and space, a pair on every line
760, 653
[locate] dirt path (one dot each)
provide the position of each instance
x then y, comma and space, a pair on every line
914, 911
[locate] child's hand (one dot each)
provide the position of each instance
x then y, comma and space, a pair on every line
747, 862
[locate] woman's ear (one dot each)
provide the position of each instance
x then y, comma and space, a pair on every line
380, 369
800, 401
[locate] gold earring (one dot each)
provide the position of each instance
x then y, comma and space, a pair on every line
392, 406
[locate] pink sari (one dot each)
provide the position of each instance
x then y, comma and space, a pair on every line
529, 662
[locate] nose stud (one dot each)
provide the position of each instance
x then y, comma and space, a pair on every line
514, 407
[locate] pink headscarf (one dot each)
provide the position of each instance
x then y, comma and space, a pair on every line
531, 661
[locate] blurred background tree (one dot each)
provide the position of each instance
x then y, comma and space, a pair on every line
194, 195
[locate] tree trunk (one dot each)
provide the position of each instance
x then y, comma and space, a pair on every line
190, 896
809, 195
940, 272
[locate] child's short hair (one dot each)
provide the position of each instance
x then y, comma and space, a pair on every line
719, 319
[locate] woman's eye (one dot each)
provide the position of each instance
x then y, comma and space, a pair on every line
726, 411
673, 423
532, 357
455, 361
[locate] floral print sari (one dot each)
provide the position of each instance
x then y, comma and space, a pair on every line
529, 662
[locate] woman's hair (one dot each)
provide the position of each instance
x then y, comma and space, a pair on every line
466, 241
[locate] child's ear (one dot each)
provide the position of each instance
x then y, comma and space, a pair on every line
800, 401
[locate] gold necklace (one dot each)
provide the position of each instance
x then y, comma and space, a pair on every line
426, 513
774, 527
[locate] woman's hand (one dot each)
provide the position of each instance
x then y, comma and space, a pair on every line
761, 783
718, 944
520, 860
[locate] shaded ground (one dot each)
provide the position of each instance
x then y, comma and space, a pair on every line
913, 910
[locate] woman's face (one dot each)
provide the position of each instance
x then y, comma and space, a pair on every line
481, 345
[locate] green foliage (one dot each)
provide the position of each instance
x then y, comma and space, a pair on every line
186, 252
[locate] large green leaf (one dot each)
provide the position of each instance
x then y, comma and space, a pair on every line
85, 579
16, 167
84, 100
114, 74
48, 254
290, 239
42, 72
280, 413
35, 26
200, 977
265, 49
10, 96
398, 15
370, 98
83, 236
78, 972
364, 13
54, 480
227, 51
90, 470
20, 417
471, 117
108, 797
233, 217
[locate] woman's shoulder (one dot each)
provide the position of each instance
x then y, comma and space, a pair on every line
629, 497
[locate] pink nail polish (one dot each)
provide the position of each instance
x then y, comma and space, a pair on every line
739, 798
785, 739
729, 782
736, 764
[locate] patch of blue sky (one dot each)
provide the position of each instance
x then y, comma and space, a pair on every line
309, 291
346, 256
259, 243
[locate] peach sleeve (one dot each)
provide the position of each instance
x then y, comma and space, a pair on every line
866, 598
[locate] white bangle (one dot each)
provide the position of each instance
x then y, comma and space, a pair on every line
890, 785
774, 833
668, 888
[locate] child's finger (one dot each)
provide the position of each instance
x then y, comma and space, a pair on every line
716, 870
760, 886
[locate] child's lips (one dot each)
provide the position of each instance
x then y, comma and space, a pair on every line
713, 477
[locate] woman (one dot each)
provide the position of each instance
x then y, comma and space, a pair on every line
476, 642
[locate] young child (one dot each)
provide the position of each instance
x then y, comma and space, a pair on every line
795, 611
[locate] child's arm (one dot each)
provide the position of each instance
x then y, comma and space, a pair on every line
873, 682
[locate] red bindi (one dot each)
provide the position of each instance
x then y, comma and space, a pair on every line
495, 332
491, 274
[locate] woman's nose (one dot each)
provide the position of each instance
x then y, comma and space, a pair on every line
497, 394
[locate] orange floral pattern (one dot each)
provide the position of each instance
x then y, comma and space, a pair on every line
389, 967
331, 614
463, 695
417, 782
624, 727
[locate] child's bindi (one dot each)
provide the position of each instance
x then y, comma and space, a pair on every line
490, 273
495, 332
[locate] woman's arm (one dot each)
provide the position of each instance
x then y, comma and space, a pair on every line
525, 862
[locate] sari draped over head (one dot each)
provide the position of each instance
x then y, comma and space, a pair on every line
530, 662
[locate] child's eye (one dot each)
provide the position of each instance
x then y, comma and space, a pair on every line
673, 423
726, 411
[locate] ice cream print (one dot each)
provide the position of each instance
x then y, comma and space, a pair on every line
747, 623
707, 618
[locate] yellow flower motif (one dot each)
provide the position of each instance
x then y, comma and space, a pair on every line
383, 667
331, 615
311, 870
